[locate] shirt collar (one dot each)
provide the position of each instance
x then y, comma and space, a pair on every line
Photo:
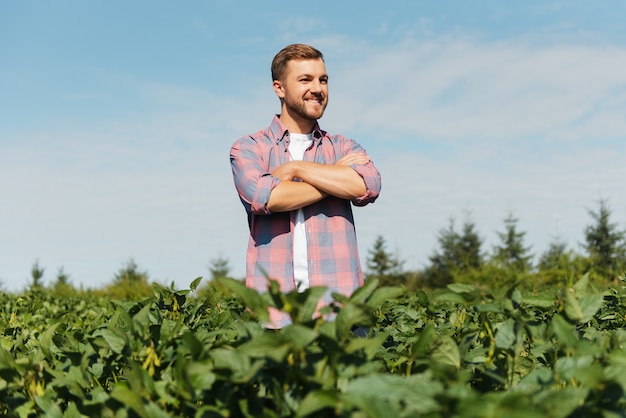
279, 131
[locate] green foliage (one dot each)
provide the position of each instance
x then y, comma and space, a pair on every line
36, 274
383, 265
463, 351
558, 264
219, 268
129, 273
62, 279
62, 285
605, 243
129, 282
458, 254
556, 257
511, 252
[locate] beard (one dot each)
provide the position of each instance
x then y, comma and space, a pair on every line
299, 108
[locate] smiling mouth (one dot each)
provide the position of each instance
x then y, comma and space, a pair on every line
316, 101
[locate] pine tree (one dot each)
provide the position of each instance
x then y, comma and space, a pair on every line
219, 268
604, 243
443, 263
555, 257
62, 285
458, 253
382, 264
130, 274
129, 283
63, 279
36, 274
511, 253
470, 245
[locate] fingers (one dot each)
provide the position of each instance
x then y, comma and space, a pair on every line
354, 158
283, 172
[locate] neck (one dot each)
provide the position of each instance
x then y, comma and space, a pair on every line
295, 124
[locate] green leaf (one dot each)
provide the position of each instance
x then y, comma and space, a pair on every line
416, 392
566, 368
251, 298
7, 361
462, 288
370, 346
230, 359
383, 294
505, 334
516, 297
371, 407
45, 340
129, 398
298, 336
73, 381
194, 285
154, 411
562, 402
539, 301
450, 297
201, 376
138, 379
618, 357
303, 304
25, 409
264, 345
170, 329
582, 309
114, 340
536, 379
581, 286
352, 315
564, 332
317, 400
47, 405
426, 337
142, 320
590, 305
364, 292
192, 345
488, 307
446, 352
72, 411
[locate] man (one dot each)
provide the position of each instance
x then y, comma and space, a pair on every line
297, 184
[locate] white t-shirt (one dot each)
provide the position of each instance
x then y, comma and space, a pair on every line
297, 145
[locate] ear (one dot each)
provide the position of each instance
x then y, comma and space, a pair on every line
278, 89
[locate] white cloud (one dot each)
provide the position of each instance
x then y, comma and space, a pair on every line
455, 89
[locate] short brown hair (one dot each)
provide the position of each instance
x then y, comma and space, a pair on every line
291, 52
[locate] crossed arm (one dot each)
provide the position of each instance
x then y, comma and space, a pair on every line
318, 181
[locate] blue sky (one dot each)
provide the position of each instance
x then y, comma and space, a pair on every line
117, 117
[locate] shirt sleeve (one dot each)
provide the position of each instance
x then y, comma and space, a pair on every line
253, 182
368, 172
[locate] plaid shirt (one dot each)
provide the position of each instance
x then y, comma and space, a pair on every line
331, 237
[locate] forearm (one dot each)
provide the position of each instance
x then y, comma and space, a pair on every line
291, 195
336, 180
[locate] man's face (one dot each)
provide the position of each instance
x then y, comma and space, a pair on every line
304, 89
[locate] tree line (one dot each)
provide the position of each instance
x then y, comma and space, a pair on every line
458, 258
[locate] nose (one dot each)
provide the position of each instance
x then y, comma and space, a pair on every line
316, 86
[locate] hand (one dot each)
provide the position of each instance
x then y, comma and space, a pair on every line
284, 172
354, 158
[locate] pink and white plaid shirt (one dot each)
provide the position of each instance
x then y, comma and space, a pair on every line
332, 246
